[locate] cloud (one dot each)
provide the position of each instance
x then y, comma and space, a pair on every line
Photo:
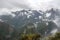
30, 4
14, 4
6, 11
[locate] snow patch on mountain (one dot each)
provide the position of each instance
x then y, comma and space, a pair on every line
48, 14
40, 17
1, 20
54, 31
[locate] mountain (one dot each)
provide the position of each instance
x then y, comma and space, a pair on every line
38, 17
6, 31
22, 17
55, 13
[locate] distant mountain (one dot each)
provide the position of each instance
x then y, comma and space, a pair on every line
22, 17
38, 17
55, 13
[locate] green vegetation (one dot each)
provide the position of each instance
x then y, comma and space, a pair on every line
39, 37
55, 37
30, 36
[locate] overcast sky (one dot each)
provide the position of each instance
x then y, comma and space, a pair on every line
29, 4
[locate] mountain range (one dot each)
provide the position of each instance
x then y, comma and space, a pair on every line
44, 21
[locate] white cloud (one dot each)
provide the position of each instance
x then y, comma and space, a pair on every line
30, 4
38, 4
5, 11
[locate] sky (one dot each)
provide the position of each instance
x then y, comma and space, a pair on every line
29, 4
